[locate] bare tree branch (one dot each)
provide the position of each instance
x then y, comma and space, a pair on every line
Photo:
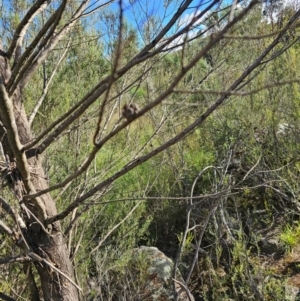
240, 93
156, 102
8, 119
53, 40
185, 288
114, 228
21, 259
64, 121
185, 132
102, 5
17, 41
184, 5
6, 207
40, 259
87, 103
48, 82
6, 298
178, 137
244, 37
14, 215
21, 72
6, 229
114, 69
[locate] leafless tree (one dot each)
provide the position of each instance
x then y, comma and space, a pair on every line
36, 229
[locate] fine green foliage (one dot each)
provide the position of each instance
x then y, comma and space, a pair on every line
290, 236
234, 179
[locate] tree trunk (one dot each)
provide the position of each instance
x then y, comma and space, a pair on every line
48, 244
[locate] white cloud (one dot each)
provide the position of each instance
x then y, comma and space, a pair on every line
185, 20
188, 19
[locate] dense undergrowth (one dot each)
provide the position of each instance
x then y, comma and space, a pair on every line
243, 163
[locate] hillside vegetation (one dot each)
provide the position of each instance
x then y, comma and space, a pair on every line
222, 202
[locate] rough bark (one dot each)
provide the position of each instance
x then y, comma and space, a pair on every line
47, 242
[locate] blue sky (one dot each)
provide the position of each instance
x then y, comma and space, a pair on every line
141, 10
138, 12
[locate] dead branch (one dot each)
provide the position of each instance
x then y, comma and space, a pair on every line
28, 56
8, 119
20, 32
20, 258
